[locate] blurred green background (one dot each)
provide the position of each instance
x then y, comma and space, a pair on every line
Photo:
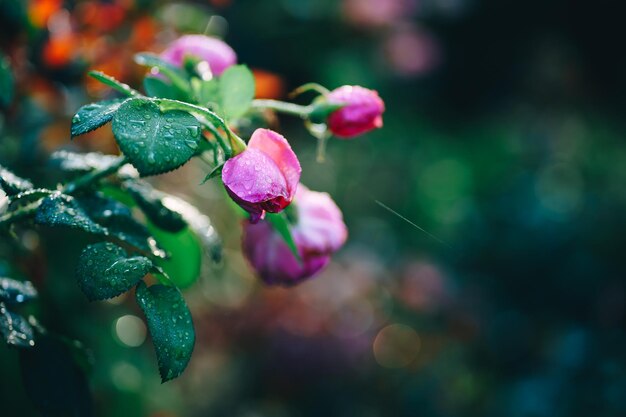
503, 138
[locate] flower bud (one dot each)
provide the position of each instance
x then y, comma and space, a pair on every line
265, 176
318, 232
215, 52
362, 111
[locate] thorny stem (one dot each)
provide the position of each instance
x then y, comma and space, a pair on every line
69, 188
283, 107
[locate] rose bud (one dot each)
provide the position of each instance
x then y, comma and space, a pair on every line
215, 52
362, 111
265, 176
318, 232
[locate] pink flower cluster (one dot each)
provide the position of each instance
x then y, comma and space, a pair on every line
319, 231
265, 177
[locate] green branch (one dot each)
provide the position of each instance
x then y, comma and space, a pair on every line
283, 107
78, 184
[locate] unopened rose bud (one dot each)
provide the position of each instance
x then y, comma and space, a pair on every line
318, 232
265, 176
361, 112
215, 52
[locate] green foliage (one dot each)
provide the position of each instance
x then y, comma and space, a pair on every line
12, 184
13, 291
113, 83
176, 76
105, 271
156, 87
184, 259
119, 222
63, 210
215, 172
53, 381
151, 202
82, 162
155, 142
170, 325
6, 81
93, 116
186, 248
236, 91
280, 224
208, 93
15, 329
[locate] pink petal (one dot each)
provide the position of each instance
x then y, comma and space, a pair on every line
320, 227
254, 181
276, 147
272, 259
212, 50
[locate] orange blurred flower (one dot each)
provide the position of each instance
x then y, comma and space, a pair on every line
39, 11
268, 84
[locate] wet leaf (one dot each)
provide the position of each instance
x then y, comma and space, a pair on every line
93, 116
151, 203
113, 83
15, 329
12, 184
155, 142
13, 291
119, 222
170, 325
63, 210
82, 162
105, 271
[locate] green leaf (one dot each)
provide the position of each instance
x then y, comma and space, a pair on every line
156, 87
15, 329
175, 75
155, 142
82, 162
151, 203
105, 271
6, 82
188, 247
53, 381
63, 210
217, 171
209, 93
93, 116
12, 184
170, 325
29, 196
280, 224
236, 86
13, 291
114, 84
183, 265
119, 222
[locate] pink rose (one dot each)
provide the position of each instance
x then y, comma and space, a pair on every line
362, 112
265, 176
318, 232
215, 52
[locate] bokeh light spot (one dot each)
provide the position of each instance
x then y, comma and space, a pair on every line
130, 330
396, 346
